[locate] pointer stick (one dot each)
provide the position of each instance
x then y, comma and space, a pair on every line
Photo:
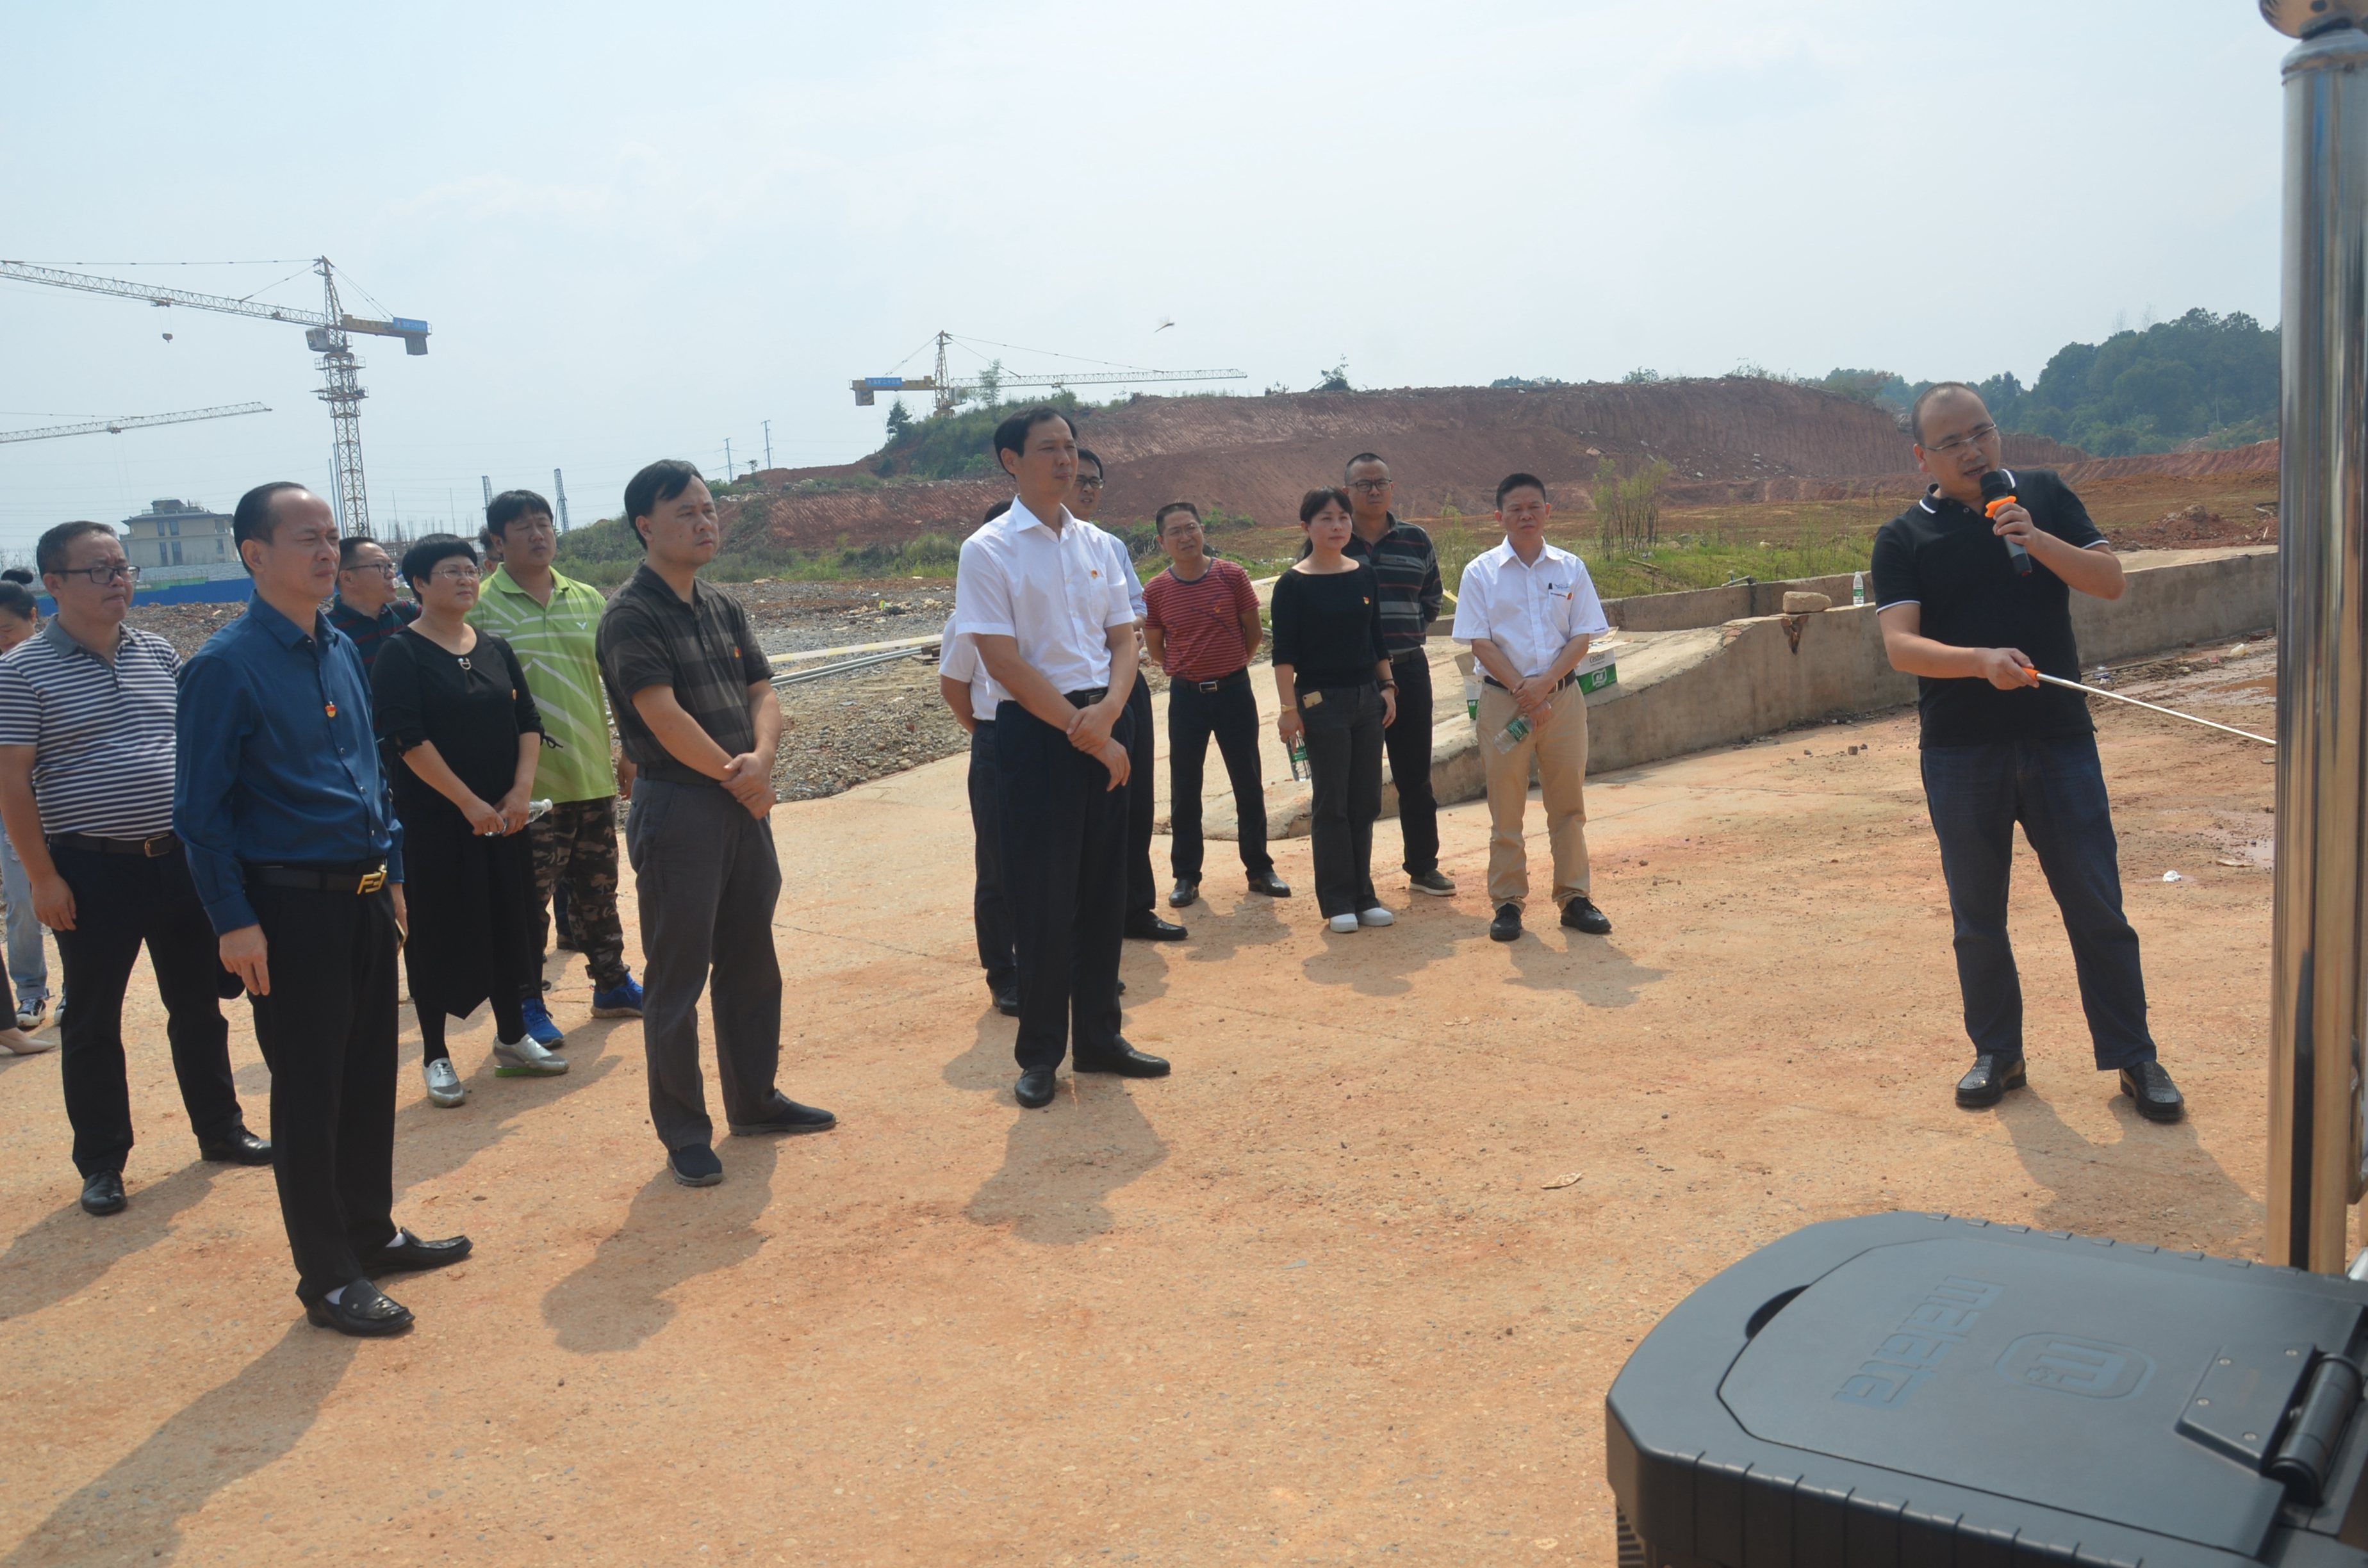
2096, 691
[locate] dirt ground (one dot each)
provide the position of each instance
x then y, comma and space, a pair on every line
1320, 1297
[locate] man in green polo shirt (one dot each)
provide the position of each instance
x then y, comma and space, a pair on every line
550, 621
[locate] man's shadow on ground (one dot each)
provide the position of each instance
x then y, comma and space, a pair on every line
1061, 1163
432, 1140
2096, 1191
1589, 968
671, 1236
68, 1251
135, 1509
1256, 921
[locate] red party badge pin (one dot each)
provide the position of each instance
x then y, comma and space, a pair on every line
331, 709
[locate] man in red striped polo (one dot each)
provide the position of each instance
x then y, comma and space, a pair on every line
1200, 620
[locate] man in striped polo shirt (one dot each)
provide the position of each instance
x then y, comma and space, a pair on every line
86, 756
1201, 620
554, 624
1403, 558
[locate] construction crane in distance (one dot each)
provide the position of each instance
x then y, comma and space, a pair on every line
328, 331
132, 422
949, 392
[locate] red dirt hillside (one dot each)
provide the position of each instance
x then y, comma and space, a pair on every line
1736, 438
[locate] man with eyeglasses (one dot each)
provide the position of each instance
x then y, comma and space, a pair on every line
1142, 919
1408, 569
552, 623
87, 753
1975, 603
296, 851
366, 608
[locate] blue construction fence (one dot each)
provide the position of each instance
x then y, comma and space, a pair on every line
227, 590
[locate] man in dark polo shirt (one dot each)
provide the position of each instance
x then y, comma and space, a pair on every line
367, 608
1201, 620
1999, 748
1408, 567
693, 698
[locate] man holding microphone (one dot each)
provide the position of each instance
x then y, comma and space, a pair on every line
1973, 585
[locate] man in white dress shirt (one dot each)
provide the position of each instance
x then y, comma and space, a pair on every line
1037, 595
1529, 612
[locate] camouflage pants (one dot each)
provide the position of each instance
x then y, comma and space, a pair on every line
577, 840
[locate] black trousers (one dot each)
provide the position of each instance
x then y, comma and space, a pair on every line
327, 1031
1141, 895
1063, 870
120, 903
990, 910
1230, 713
1408, 744
1344, 772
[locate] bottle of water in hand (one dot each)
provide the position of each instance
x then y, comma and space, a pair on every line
1514, 734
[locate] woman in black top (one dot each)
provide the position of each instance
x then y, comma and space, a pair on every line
456, 720
1333, 675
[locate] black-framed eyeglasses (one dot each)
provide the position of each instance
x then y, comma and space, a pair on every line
1089, 482
1369, 487
383, 568
101, 576
1959, 443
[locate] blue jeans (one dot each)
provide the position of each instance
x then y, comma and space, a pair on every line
2057, 790
28, 967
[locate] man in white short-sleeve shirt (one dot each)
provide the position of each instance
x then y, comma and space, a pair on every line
1037, 597
1529, 611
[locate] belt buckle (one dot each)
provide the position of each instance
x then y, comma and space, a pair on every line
148, 846
1209, 685
372, 881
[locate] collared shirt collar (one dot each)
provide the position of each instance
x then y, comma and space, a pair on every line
502, 582
645, 580
1932, 491
1019, 517
284, 631
55, 634
1505, 554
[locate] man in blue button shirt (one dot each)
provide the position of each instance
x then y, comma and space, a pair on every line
293, 845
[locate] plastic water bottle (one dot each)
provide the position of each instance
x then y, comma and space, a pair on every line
1471, 696
1514, 734
1858, 588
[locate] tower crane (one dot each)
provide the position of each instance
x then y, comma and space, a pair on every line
132, 422
950, 393
328, 331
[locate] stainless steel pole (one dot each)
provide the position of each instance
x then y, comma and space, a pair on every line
2315, 1140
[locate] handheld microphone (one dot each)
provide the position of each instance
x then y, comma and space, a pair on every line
1997, 494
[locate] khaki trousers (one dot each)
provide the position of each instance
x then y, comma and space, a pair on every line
1558, 740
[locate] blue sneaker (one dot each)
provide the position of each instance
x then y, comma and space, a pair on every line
538, 1027
622, 1000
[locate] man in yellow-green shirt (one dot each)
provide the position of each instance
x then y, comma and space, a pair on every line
551, 622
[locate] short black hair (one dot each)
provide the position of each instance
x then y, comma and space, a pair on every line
996, 511
1513, 481
662, 481
49, 554
1937, 389
17, 600
1088, 455
1159, 519
18, 575
252, 518
1362, 458
511, 504
1316, 500
422, 558
1011, 435
349, 546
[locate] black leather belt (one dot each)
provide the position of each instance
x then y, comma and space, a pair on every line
1087, 697
1500, 686
1219, 684
154, 848
319, 879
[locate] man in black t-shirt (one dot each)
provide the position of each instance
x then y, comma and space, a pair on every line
1999, 748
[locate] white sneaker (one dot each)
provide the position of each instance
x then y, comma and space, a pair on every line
443, 1083
1376, 915
1344, 923
525, 1059
31, 1015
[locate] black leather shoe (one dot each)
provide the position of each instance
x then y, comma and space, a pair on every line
1125, 1061
785, 1116
1007, 1001
2157, 1098
362, 1310
414, 1253
243, 1148
1269, 884
1580, 915
1146, 927
1988, 1082
1034, 1090
102, 1193
1183, 894
1507, 927
1121, 988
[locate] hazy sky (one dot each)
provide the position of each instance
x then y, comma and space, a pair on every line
640, 230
